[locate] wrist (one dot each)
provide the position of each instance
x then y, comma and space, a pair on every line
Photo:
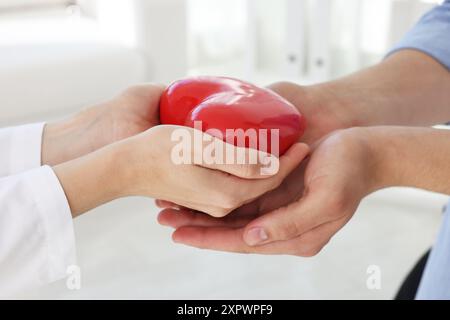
52, 138
382, 157
396, 154
323, 106
374, 163
94, 179
137, 164
74, 137
415, 157
335, 102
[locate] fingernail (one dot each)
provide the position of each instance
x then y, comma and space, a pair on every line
256, 236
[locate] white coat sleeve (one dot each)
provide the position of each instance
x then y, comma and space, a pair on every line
37, 241
20, 148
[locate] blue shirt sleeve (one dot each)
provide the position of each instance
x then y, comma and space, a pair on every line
430, 35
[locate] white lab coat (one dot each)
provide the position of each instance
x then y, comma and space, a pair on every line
37, 241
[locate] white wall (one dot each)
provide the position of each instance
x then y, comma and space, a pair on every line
53, 63
156, 28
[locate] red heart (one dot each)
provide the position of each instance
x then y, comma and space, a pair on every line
225, 103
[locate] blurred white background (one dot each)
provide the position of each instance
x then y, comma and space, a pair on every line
57, 56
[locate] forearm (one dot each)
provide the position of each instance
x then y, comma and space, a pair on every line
411, 157
408, 88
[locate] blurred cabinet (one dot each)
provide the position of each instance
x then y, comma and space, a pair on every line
303, 40
319, 49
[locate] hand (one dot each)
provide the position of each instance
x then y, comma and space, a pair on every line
365, 98
343, 169
131, 112
144, 165
323, 109
325, 112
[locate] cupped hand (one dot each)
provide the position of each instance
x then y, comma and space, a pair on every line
133, 111
216, 188
324, 113
322, 198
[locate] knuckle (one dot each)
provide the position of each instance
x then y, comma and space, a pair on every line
288, 231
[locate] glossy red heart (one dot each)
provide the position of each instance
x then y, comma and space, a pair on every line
225, 103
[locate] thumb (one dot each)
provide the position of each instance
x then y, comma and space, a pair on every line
289, 222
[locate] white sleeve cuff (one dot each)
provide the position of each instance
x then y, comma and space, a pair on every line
56, 218
21, 148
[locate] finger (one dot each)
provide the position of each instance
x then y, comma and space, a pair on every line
227, 192
288, 163
231, 240
222, 239
186, 207
166, 204
182, 218
242, 162
289, 191
313, 209
207, 151
218, 194
178, 217
311, 243
249, 209
210, 191
183, 206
